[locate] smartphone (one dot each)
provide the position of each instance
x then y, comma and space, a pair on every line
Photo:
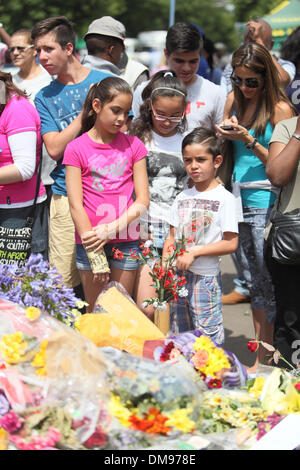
227, 128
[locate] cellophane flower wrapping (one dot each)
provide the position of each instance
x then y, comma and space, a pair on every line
52, 384
152, 401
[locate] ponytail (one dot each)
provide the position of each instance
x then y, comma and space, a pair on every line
105, 91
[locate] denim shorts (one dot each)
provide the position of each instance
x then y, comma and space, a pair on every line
126, 264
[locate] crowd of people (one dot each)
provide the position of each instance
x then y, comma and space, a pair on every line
130, 157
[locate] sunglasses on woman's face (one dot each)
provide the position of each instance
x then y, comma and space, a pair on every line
19, 48
249, 82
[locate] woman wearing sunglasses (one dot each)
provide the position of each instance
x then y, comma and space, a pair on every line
160, 126
259, 104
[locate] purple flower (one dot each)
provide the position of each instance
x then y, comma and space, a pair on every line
36, 284
4, 404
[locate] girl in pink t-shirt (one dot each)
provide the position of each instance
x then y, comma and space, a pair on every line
107, 186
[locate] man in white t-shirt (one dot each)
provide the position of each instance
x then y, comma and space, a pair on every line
205, 100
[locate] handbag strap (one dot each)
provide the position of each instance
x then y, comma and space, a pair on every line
31, 217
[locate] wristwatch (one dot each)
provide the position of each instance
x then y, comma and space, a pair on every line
297, 136
251, 145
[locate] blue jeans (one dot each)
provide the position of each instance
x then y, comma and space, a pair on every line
250, 255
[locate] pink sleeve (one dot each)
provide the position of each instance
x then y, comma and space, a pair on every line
71, 156
20, 116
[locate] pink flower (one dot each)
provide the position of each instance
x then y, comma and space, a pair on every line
11, 422
200, 359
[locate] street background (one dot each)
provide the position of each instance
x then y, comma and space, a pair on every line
237, 318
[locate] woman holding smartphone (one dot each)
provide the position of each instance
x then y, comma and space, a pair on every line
259, 104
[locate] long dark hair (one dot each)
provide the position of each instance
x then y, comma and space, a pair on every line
257, 58
105, 91
163, 83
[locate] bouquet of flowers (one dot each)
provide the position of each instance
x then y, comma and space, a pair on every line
168, 285
279, 392
214, 366
153, 398
37, 285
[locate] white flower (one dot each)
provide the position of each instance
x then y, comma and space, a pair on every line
162, 306
145, 304
155, 304
183, 292
148, 243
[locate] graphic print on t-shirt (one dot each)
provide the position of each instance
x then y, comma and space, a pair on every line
195, 218
164, 168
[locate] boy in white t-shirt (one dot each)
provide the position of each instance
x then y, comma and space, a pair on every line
204, 216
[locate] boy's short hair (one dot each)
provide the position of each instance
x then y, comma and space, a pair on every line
98, 43
183, 37
60, 25
205, 137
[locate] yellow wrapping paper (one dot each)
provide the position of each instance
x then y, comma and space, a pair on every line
123, 327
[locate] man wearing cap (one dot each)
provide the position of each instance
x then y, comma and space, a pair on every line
105, 44
106, 51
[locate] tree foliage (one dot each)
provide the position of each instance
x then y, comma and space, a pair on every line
245, 10
137, 15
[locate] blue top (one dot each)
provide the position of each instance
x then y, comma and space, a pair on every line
58, 105
247, 167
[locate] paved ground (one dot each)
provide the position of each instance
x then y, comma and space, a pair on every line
237, 318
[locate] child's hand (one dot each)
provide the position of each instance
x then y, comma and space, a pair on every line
185, 260
104, 233
101, 278
90, 241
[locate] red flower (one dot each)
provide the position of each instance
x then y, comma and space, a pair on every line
133, 254
214, 383
118, 254
253, 345
98, 439
297, 386
181, 280
165, 355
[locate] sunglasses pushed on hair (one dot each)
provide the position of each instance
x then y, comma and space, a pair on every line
249, 82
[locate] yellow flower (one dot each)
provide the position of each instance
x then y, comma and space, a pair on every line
3, 439
257, 387
119, 411
179, 419
12, 347
32, 313
39, 360
217, 359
